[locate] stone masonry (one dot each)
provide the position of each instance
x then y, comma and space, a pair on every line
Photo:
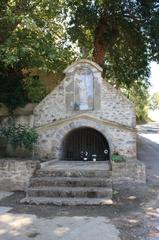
113, 115
82, 100
16, 174
97, 105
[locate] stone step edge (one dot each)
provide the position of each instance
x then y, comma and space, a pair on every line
68, 189
66, 201
73, 170
75, 179
70, 178
64, 173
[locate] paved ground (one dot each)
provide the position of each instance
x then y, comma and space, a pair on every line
148, 152
148, 148
24, 227
134, 214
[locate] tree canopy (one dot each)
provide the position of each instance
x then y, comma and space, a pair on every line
120, 35
31, 34
154, 101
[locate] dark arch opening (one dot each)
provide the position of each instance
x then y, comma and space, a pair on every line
85, 144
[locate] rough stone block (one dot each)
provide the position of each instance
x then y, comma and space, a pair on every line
16, 174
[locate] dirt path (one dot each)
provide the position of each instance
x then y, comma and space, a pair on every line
148, 149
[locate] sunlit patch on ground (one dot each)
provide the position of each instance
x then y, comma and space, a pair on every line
25, 226
132, 198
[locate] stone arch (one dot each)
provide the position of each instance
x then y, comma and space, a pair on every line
85, 143
65, 129
84, 62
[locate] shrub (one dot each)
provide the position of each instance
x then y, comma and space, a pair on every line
12, 93
19, 136
34, 88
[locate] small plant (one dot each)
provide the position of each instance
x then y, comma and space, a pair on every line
19, 136
115, 193
116, 157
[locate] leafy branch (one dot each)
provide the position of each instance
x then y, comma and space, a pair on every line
20, 136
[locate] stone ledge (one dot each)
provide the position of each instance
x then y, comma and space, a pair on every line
20, 111
16, 174
89, 117
129, 171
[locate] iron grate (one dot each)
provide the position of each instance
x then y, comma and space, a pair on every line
85, 144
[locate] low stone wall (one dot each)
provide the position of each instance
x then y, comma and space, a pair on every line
131, 170
15, 174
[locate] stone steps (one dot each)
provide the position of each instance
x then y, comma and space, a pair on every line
70, 182
70, 192
66, 201
73, 173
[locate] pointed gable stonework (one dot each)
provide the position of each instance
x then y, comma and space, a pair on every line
92, 115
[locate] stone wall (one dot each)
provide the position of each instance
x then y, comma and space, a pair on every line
120, 139
25, 120
19, 111
109, 112
51, 108
128, 171
116, 107
112, 114
109, 103
15, 174
23, 116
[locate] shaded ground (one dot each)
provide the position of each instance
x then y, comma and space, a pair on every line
135, 212
127, 213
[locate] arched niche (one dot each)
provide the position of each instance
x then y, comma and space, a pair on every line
85, 144
84, 89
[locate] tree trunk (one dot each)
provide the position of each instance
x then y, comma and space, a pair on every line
99, 53
100, 44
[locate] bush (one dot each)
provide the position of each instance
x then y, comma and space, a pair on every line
34, 88
19, 136
12, 93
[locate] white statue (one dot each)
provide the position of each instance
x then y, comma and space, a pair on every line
84, 89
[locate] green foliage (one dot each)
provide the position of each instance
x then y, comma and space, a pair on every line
12, 92
40, 34
31, 35
116, 157
154, 101
47, 34
138, 94
19, 136
126, 31
35, 88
